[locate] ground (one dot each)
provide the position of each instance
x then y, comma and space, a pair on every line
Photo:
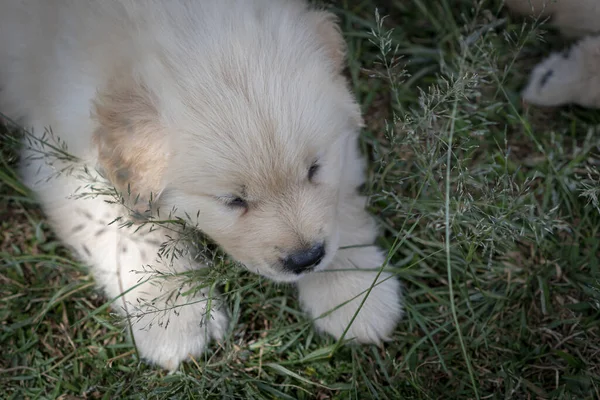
489, 213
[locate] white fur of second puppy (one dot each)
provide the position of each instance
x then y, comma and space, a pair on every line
574, 18
234, 112
571, 76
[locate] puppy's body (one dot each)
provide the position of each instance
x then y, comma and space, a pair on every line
571, 76
233, 112
574, 18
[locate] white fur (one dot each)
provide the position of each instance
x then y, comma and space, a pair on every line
193, 103
571, 76
574, 18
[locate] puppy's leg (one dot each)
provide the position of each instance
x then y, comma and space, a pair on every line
347, 279
167, 325
569, 77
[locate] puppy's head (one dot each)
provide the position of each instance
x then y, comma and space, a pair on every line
256, 142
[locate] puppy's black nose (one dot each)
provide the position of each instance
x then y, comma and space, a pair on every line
304, 260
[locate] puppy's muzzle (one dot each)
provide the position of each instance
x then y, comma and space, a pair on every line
304, 260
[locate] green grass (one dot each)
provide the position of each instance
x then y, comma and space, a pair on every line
489, 212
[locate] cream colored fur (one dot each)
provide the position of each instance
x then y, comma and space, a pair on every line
572, 76
574, 18
193, 104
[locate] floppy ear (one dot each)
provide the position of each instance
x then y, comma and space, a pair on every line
331, 37
132, 144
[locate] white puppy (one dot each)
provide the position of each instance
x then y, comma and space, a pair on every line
571, 76
233, 112
574, 18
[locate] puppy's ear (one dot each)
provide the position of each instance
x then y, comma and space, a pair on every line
133, 149
331, 37
330, 34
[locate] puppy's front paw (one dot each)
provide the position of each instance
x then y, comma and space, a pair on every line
324, 294
377, 318
167, 338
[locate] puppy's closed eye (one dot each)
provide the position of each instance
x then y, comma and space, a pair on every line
234, 202
312, 171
